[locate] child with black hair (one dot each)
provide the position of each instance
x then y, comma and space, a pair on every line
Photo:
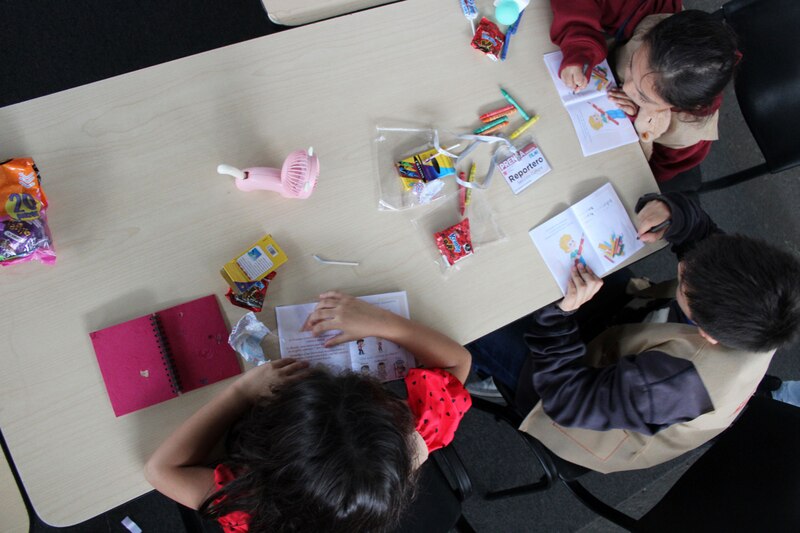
657, 370
674, 68
313, 451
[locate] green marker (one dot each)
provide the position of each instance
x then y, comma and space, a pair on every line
511, 101
491, 124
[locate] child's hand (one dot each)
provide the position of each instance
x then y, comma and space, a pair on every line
623, 101
261, 381
583, 285
653, 213
355, 318
574, 78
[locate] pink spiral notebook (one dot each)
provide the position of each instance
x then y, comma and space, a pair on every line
157, 357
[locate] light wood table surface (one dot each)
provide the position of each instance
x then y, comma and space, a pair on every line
13, 515
141, 220
298, 12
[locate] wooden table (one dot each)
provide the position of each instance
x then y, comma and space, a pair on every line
298, 12
13, 515
141, 220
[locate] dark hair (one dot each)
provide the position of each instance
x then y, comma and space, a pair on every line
743, 292
693, 55
327, 453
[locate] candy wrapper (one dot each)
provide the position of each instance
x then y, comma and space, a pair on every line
246, 337
24, 235
455, 242
450, 238
251, 295
488, 39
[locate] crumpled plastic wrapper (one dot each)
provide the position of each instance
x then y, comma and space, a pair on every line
246, 337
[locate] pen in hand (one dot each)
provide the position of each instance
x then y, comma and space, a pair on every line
656, 228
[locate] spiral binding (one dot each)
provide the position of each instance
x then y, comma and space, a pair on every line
166, 354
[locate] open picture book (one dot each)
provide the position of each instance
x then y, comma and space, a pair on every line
374, 356
599, 123
596, 231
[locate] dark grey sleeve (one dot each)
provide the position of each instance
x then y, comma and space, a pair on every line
645, 392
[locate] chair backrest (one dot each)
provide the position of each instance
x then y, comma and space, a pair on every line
768, 79
749, 480
436, 507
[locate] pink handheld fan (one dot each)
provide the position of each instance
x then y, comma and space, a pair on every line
296, 178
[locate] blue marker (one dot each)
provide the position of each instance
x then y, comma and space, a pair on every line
511, 31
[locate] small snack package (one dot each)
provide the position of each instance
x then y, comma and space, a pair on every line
451, 238
248, 275
455, 242
488, 39
24, 235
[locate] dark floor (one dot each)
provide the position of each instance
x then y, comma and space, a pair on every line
51, 46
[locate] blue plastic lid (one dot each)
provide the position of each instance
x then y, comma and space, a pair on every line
506, 12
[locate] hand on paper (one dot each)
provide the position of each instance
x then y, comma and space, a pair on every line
623, 101
654, 212
574, 78
262, 380
583, 285
354, 318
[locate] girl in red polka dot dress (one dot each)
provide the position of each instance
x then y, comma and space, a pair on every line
310, 451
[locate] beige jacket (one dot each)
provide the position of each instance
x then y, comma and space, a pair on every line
673, 130
729, 376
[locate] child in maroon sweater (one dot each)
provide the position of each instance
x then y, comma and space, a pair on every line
674, 69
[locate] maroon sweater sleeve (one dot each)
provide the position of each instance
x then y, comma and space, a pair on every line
580, 27
666, 163
577, 29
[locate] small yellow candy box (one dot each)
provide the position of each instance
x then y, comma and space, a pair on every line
254, 264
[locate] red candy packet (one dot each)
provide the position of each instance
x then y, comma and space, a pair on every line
251, 295
455, 242
488, 39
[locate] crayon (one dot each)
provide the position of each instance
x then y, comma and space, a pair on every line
494, 128
490, 125
470, 179
519, 131
511, 101
491, 115
462, 194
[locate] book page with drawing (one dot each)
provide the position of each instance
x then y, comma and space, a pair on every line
596, 231
377, 357
599, 123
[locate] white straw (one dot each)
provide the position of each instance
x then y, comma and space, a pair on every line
331, 262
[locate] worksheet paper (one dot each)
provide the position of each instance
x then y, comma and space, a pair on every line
599, 123
377, 357
596, 232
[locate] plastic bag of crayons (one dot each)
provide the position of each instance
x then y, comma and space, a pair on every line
453, 239
414, 166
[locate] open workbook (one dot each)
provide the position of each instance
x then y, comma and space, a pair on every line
599, 123
374, 356
596, 231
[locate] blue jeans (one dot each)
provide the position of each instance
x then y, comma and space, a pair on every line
788, 392
503, 353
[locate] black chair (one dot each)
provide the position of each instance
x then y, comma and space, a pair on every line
443, 485
767, 82
748, 480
